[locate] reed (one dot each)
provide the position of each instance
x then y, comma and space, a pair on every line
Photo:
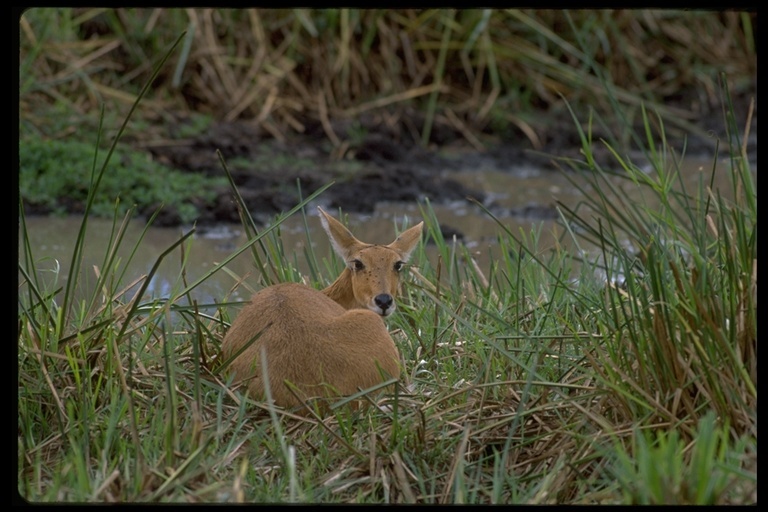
469, 71
524, 385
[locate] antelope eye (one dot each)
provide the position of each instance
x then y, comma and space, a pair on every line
399, 266
356, 265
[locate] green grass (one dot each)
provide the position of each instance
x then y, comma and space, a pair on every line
54, 177
519, 386
635, 383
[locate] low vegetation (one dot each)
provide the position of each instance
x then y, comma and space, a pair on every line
55, 177
625, 376
633, 383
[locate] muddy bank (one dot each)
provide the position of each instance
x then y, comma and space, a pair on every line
383, 164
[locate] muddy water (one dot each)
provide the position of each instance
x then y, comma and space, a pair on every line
51, 239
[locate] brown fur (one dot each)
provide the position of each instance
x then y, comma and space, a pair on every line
327, 343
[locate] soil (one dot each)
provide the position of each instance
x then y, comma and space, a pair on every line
385, 164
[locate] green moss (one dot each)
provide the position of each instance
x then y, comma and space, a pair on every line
54, 175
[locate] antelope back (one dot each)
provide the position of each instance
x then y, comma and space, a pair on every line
326, 343
312, 346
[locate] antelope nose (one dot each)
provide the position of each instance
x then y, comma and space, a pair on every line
385, 302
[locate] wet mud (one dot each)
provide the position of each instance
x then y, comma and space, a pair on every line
384, 164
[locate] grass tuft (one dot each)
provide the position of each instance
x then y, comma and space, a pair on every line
522, 385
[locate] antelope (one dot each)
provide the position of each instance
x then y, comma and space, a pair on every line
323, 343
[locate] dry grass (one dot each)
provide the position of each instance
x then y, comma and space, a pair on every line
411, 71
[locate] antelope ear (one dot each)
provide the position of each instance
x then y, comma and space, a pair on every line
407, 241
342, 240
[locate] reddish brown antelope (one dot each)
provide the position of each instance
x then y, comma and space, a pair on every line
328, 343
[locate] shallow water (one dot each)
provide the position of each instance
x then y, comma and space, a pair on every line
51, 239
